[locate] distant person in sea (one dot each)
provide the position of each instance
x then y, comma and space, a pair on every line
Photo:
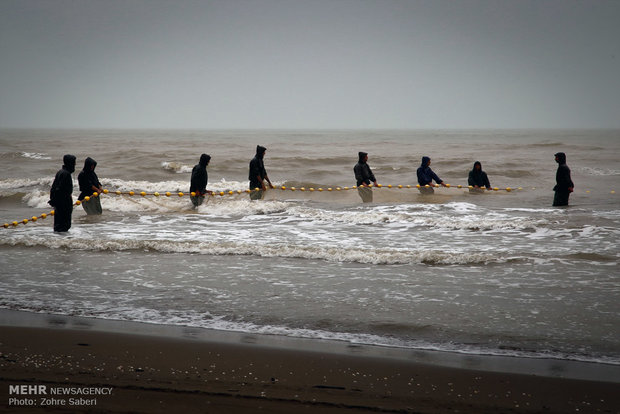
258, 174
89, 184
60, 195
564, 185
477, 178
199, 180
364, 176
426, 176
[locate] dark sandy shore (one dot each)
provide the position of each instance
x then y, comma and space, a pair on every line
138, 368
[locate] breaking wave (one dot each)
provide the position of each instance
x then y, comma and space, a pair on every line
385, 256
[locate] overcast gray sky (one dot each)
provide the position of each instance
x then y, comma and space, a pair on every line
309, 64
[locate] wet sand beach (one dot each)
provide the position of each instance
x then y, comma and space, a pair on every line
217, 372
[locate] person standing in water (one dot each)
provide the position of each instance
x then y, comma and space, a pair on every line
258, 174
426, 176
60, 195
364, 176
564, 185
89, 184
199, 180
478, 178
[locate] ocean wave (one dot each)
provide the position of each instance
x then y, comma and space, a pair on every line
423, 215
36, 155
176, 167
385, 256
8, 184
598, 171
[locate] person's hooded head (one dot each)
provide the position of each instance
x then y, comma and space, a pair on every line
477, 166
260, 151
425, 161
362, 156
560, 157
204, 160
68, 162
89, 165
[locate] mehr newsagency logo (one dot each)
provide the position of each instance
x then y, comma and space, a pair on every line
43, 395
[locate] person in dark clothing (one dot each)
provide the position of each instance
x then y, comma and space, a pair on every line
426, 176
364, 176
198, 183
478, 178
89, 183
258, 174
60, 195
564, 185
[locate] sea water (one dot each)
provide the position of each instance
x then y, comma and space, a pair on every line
500, 273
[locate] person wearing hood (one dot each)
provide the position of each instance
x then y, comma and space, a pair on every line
478, 178
198, 183
426, 176
564, 185
89, 183
258, 174
60, 195
364, 176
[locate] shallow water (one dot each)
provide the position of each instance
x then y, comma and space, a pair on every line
497, 273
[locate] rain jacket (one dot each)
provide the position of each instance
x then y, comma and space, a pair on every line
478, 177
60, 195
363, 173
200, 177
562, 176
87, 179
425, 174
257, 168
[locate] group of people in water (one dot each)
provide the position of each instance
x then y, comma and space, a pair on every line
62, 187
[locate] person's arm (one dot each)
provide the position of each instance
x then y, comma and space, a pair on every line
437, 179
487, 183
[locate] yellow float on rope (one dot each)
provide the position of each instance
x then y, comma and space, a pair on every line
52, 212
25, 221
43, 216
118, 192
508, 189
77, 203
181, 194
143, 194
168, 194
34, 218
6, 225
105, 191
87, 198
495, 189
15, 224
193, 194
156, 194
95, 194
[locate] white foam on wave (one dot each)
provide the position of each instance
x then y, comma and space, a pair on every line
382, 256
598, 171
177, 167
421, 215
8, 184
36, 155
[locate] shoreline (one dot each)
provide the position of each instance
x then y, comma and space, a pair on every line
545, 367
158, 368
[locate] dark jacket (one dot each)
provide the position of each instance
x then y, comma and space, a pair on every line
562, 176
87, 179
478, 177
425, 174
200, 177
363, 173
62, 187
257, 168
